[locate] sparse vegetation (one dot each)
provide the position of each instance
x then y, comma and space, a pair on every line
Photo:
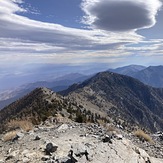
9, 136
143, 136
21, 124
111, 128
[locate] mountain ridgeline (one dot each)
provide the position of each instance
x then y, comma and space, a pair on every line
107, 96
152, 75
129, 70
58, 84
123, 97
42, 103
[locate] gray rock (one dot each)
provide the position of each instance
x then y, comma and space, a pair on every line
15, 138
45, 158
119, 136
107, 139
1, 160
9, 157
63, 127
20, 134
80, 149
64, 160
50, 148
37, 138
26, 160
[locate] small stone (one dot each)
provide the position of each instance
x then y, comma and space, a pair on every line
9, 157
14, 153
26, 160
50, 148
1, 160
106, 139
25, 152
20, 134
15, 138
95, 136
45, 158
63, 159
119, 136
37, 138
63, 127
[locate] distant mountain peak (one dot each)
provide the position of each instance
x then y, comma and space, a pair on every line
128, 70
152, 75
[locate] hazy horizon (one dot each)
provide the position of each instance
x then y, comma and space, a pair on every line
51, 73
43, 39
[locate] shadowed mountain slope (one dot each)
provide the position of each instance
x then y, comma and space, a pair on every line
152, 76
122, 96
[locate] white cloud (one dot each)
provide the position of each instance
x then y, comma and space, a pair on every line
30, 41
17, 27
120, 15
10, 6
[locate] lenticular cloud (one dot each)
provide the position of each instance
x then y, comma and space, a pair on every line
120, 15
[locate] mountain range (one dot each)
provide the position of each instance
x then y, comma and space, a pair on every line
152, 75
59, 84
128, 70
108, 95
106, 112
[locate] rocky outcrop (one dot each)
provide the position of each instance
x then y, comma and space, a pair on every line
70, 143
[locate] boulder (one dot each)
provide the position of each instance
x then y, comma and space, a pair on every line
50, 148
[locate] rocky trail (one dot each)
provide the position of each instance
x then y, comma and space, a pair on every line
72, 142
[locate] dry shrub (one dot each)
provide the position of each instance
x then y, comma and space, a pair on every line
111, 128
60, 119
142, 135
107, 126
101, 122
9, 136
21, 124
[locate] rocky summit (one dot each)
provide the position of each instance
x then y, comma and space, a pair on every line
70, 142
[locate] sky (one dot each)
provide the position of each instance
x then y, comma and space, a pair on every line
38, 36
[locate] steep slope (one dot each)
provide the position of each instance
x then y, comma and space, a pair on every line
34, 106
128, 70
152, 76
42, 103
121, 97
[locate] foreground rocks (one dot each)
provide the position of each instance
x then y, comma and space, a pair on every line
70, 143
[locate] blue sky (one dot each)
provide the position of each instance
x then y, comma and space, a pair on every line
78, 33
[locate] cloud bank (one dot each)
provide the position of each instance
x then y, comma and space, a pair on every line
24, 41
120, 15
21, 35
